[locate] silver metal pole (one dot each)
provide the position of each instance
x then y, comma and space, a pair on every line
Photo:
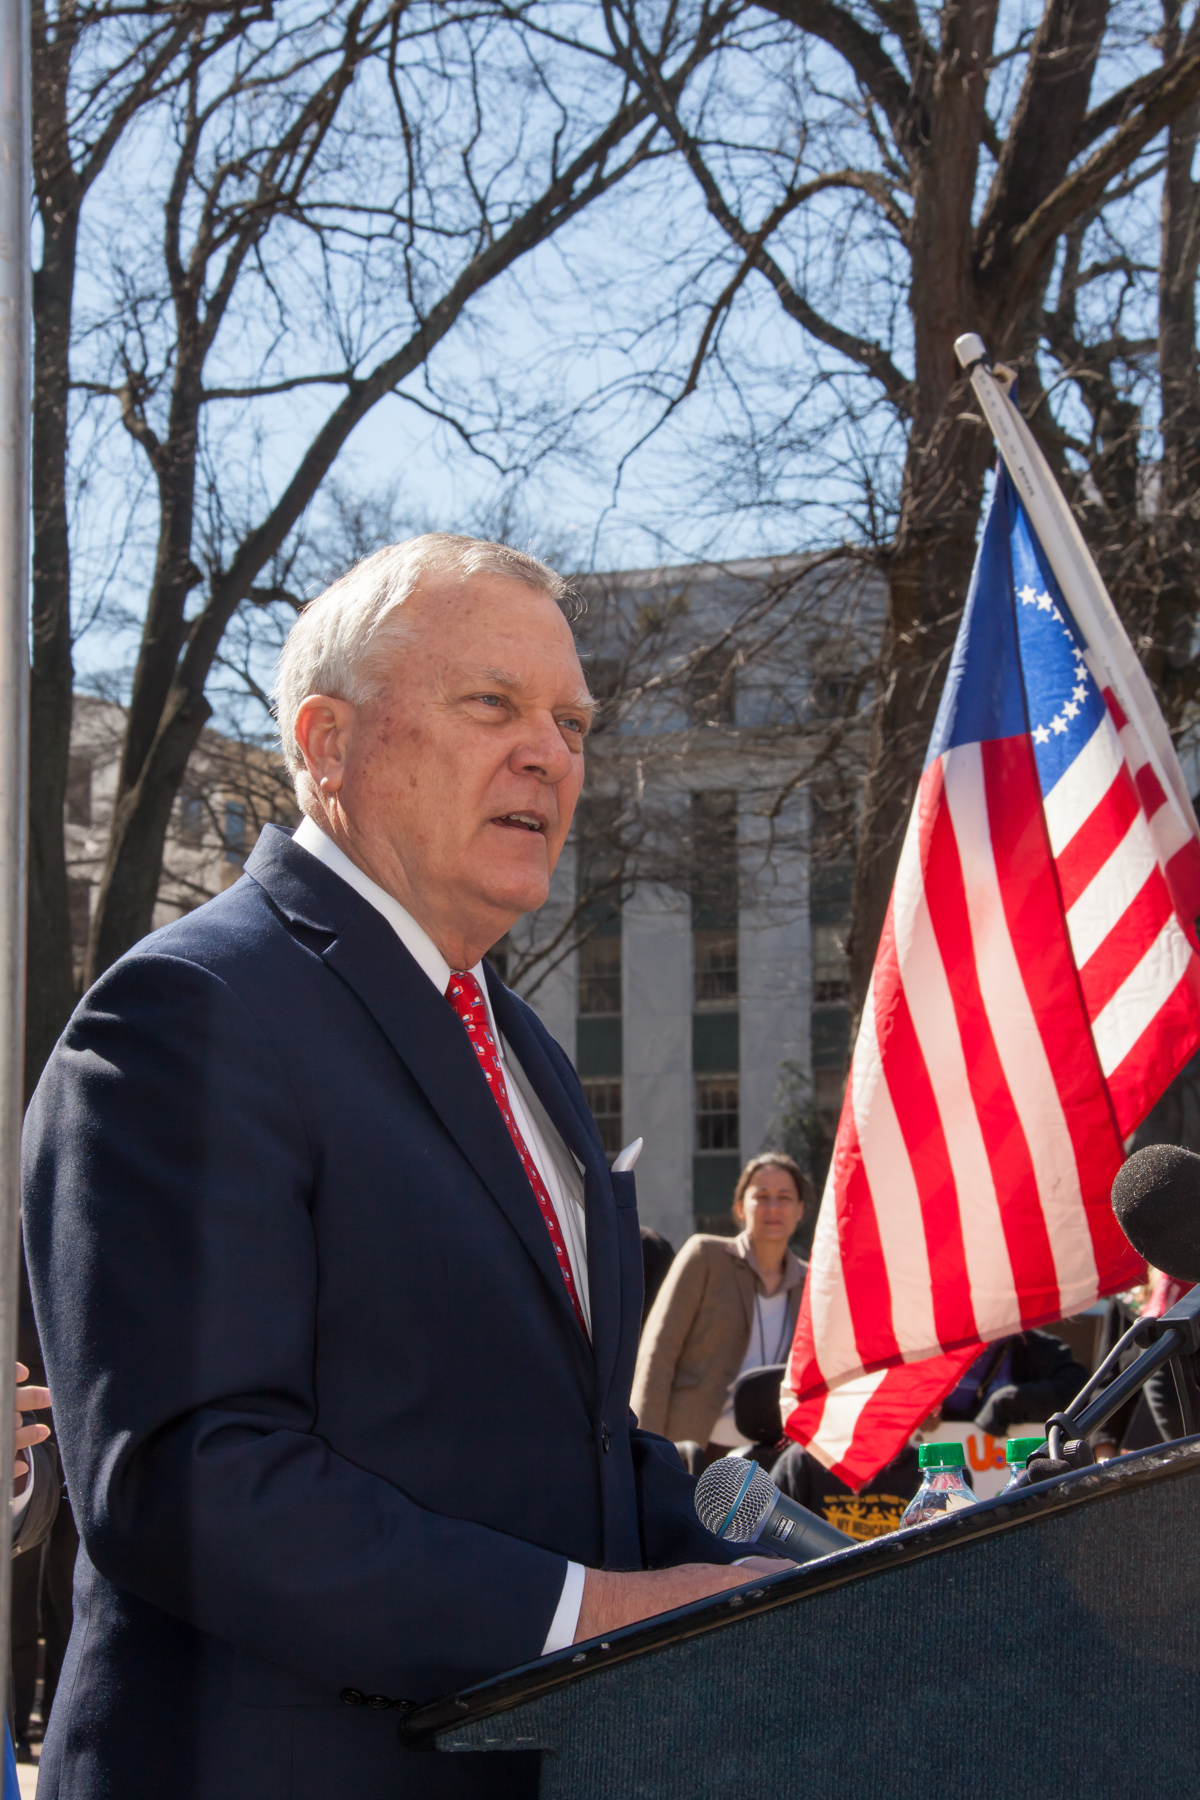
15, 315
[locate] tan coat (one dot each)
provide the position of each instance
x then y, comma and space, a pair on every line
698, 1332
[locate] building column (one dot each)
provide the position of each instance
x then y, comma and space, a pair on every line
775, 961
657, 927
553, 996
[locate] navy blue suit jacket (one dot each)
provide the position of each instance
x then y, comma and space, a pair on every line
327, 1419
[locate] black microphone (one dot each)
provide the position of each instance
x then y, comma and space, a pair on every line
1156, 1199
738, 1501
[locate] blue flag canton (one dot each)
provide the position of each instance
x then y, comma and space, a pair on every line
1064, 704
983, 698
1018, 664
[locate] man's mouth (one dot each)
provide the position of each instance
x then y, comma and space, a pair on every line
521, 821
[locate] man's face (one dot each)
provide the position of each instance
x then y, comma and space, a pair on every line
461, 780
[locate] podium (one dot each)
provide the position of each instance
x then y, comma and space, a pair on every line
1044, 1647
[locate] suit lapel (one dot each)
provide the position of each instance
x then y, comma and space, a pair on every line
420, 1026
583, 1141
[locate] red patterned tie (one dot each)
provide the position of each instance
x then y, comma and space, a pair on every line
466, 997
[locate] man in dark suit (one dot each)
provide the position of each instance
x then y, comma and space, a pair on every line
338, 1297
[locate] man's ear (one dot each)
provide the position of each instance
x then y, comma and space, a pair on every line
322, 729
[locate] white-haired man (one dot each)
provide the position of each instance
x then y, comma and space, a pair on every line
338, 1297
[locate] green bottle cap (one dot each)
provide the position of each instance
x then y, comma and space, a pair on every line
941, 1456
1016, 1450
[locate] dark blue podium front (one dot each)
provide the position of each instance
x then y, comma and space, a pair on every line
1045, 1647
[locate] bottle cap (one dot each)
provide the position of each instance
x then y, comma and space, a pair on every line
1016, 1450
941, 1456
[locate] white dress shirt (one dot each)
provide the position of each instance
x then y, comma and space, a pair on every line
553, 1161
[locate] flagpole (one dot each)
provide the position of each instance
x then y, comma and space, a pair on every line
1074, 569
15, 315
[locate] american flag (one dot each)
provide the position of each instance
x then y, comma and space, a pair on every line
1036, 987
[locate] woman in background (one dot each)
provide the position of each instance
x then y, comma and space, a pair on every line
727, 1305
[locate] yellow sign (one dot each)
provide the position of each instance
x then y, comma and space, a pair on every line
864, 1516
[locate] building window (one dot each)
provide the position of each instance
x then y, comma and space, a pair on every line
829, 1087
235, 831
714, 861
499, 956
831, 963
79, 790
79, 905
599, 860
834, 825
832, 695
717, 1112
716, 974
599, 976
710, 687
603, 674
599, 1049
191, 817
604, 1098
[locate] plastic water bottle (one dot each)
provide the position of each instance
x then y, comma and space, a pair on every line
1017, 1452
943, 1488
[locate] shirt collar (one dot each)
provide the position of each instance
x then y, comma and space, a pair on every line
793, 1269
416, 941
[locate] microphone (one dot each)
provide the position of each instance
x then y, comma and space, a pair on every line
1156, 1199
738, 1501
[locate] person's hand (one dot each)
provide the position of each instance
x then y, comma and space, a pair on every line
612, 1598
28, 1399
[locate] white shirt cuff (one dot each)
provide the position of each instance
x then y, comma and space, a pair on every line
565, 1622
20, 1501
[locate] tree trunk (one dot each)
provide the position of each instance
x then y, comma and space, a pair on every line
124, 910
945, 464
50, 982
175, 574
963, 279
1177, 523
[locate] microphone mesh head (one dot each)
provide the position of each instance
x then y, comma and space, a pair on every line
1156, 1199
718, 1488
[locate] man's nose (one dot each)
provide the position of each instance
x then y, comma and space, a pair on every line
542, 751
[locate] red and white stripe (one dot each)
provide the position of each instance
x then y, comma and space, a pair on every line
1034, 990
1129, 869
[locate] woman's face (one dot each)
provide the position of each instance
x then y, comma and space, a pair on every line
771, 1207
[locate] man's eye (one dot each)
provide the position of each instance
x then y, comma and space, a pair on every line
489, 699
571, 724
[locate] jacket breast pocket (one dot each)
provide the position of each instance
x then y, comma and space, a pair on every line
624, 1188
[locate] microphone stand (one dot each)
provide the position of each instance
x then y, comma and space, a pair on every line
1169, 1339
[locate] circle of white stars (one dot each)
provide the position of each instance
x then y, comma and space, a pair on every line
1029, 596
